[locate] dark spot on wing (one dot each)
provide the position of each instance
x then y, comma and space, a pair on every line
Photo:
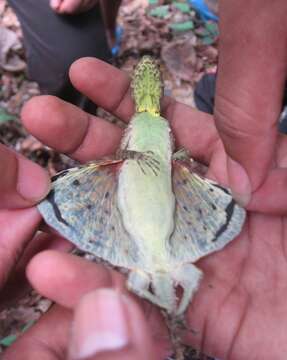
57, 212
95, 243
211, 189
76, 182
107, 194
222, 188
184, 181
213, 207
229, 212
185, 208
60, 174
89, 206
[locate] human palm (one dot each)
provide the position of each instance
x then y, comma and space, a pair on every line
239, 310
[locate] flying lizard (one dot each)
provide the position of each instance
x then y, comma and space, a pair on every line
145, 210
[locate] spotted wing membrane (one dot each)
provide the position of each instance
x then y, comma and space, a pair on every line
82, 207
206, 216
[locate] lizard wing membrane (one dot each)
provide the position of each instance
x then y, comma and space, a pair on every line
206, 216
82, 207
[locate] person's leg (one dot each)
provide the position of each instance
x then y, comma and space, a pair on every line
53, 42
204, 93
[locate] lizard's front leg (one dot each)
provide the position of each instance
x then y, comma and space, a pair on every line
146, 160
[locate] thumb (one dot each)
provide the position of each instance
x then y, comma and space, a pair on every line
108, 325
249, 89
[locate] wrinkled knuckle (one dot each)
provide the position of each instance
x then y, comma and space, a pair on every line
228, 127
233, 121
121, 100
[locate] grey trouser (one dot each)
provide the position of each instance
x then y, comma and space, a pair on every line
53, 42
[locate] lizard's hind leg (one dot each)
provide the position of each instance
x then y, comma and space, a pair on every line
188, 276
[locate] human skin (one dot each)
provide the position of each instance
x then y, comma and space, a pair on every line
109, 10
239, 311
72, 6
22, 185
251, 77
244, 316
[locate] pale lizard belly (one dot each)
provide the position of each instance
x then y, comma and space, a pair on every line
145, 197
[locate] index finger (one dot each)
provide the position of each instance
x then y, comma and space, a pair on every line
109, 88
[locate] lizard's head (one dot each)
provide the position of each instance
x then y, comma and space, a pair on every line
147, 86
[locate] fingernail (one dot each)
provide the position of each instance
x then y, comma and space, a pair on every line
239, 182
100, 324
33, 181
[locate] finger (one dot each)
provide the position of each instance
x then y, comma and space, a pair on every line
85, 137
17, 285
88, 137
105, 85
193, 130
281, 151
271, 196
71, 272
17, 228
22, 182
46, 340
70, 6
55, 4
109, 325
95, 78
79, 277
249, 89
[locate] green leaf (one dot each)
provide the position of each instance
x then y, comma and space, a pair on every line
28, 325
181, 27
8, 340
5, 116
153, 2
208, 40
160, 11
212, 28
183, 7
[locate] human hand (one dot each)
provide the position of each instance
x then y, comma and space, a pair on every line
249, 91
22, 184
72, 6
239, 311
111, 313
